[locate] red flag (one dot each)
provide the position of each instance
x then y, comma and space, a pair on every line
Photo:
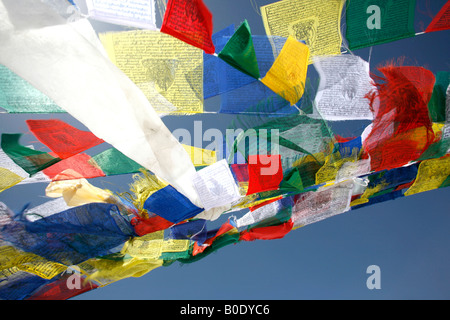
61, 138
264, 172
76, 167
402, 129
267, 233
143, 226
441, 21
191, 22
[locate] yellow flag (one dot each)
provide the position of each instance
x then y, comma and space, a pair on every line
432, 173
13, 260
317, 22
168, 71
105, 271
8, 179
201, 157
287, 75
78, 192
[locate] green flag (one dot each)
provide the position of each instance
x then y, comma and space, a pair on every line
239, 52
436, 106
372, 22
19, 96
32, 161
113, 162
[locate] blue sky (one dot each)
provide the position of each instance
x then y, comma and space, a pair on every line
407, 238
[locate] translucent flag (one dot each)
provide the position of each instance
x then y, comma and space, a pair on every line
158, 64
30, 160
133, 13
240, 52
8, 179
19, 96
374, 22
76, 167
216, 186
441, 21
287, 76
317, 22
113, 162
62, 138
312, 207
191, 22
71, 236
402, 129
437, 103
344, 83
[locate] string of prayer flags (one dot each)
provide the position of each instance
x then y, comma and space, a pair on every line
344, 83
442, 20
239, 51
171, 205
133, 13
287, 76
30, 160
316, 22
19, 96
191, 22
371, 23
63, 139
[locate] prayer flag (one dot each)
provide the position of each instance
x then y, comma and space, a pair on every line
32, 161
62, 138
239, 51
441, 21
171, 205
191, 22
316, 22
287, 76
378, 21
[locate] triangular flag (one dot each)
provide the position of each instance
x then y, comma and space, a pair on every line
239, 51
287, 75
441, 21
63, 139
379, 21
191, 22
